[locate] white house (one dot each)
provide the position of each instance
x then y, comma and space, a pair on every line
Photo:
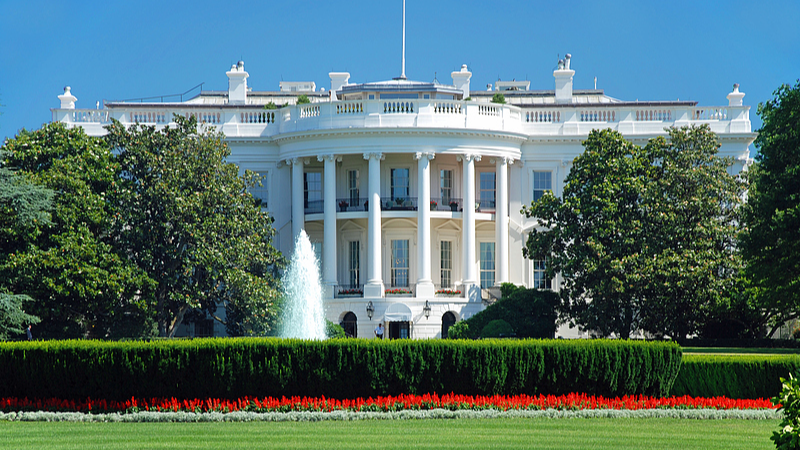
416, 187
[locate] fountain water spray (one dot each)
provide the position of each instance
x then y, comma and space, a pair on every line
303, 316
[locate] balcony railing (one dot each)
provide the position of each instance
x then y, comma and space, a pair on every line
349, 290
352, 204
448, 204
399, 203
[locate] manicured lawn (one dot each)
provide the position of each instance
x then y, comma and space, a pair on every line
738, 351
401, 434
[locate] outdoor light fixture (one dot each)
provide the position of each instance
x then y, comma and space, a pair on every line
427, 309
370, 309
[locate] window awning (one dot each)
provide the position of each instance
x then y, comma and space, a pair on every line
397, 312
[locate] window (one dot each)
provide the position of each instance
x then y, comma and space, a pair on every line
355, 263
261, 193
487, 189
400, 263
312, 185
352, 187
399, 183
540, 280
542, 182
350, 324
446, 264
446, 185
487, 264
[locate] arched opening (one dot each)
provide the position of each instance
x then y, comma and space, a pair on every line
350, 324
448, 320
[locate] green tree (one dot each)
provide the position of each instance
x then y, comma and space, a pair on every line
770, 240
303, 99
187, 219
691, 217
594, 235
80, 287
499, 98
643, 237
13, 317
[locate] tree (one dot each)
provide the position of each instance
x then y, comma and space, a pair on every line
13, 317
643, 237
691, 216
770, 240
79, 286
594, 235
186, 218
499, 98
303, 99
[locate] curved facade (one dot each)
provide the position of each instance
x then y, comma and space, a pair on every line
411, 192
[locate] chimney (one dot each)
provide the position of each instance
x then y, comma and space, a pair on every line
237, 84
563, 76
338, 80
461, 80
735, 97
67, 99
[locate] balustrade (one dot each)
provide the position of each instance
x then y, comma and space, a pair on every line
89, 116
350, 108
488, 110
712, 113
398, 107
257, 117
600, 115
447, 108
149, 117
653, 115
205, 117
542, 116
309, 111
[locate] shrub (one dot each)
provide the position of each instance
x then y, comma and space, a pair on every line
460, 330
734, 376
530, 312
334, 330
499, 98
788, 438
340, 368
497, 328
303, 99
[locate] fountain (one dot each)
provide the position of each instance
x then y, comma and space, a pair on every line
303, 317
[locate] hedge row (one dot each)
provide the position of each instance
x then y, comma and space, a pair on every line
740, 343
347, 368
734, 376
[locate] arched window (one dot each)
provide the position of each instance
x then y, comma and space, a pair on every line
350, 324
448, 320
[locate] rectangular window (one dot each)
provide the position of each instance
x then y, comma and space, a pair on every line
446, 264
446, 186
312, 185
352, 187
400, 263
540, 280
400, 184
261, 192
487, 190
355, 263
542, 182
487, 264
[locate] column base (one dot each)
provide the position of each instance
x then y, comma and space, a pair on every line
425, 289
372, 290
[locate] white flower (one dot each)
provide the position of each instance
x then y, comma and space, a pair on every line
787, 429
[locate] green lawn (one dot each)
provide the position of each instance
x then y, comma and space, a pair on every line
738, 351
429, 434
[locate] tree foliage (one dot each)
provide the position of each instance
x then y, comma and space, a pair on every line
499, 98
643, 237
80, 287
770, 241
185, 217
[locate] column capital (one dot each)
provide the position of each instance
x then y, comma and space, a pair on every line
329, 156
468, 157
420, 155
294, 161
502, 160
377, 155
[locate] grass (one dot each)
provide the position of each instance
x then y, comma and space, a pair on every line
418, 434
739, 351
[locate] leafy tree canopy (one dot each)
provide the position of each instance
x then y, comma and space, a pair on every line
499, 98
770, 241
643, 237
186, 218
303, 99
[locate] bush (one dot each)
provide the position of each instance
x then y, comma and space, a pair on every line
334, 330
497, 328
459, 330
499, 98
303, 99
531, 313
734, 376
340, 368
788, 438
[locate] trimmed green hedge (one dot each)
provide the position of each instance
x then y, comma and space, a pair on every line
734, 376
530, 312
339, 368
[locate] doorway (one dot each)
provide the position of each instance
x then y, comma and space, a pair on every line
399, 330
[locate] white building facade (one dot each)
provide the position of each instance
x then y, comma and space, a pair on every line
411, 191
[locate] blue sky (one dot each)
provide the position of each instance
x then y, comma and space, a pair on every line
645, 50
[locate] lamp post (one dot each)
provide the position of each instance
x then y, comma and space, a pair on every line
370, 309
426, 309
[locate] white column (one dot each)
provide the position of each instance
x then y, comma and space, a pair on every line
298, 209
374, 286
329, 233
424, 283
501, 221
470, 277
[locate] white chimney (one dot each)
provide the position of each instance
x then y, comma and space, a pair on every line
338, 80
237, 84
67, 99
563, 76
735, 97
461, 80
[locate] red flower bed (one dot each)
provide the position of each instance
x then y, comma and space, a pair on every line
390, 403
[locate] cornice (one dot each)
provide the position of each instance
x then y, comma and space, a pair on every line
388, 132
